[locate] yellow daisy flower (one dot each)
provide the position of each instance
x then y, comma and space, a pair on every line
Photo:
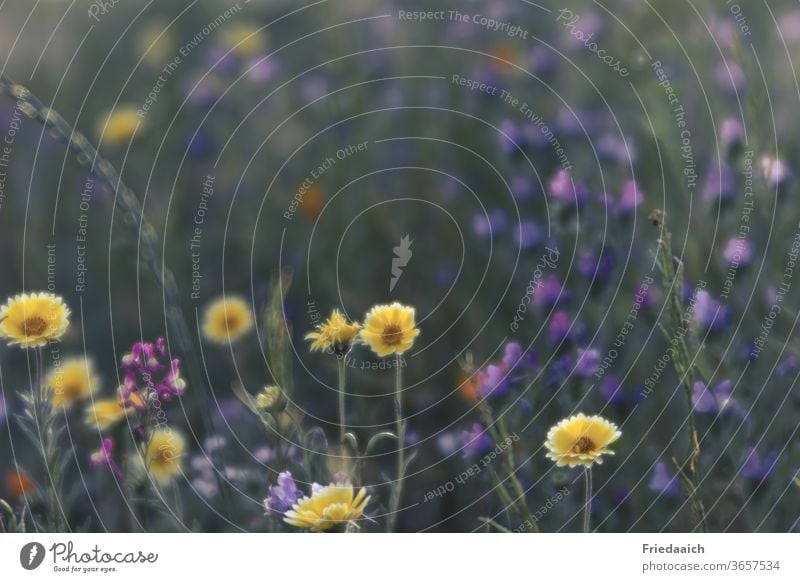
244, 40
71, 381
106, 413
581, 440
390, 329
163, 455
330, 506
119, 126
334, 334
33, 319
227, 319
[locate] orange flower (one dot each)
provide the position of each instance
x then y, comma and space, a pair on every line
312, 203
503, 52
18, 484
468, 387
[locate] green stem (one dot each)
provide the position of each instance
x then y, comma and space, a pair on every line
44, 420
342, 412
587, 506
401, 442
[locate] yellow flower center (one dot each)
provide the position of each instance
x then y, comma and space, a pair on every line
583, 445
232, 321
392, 335
72, 390
34, 326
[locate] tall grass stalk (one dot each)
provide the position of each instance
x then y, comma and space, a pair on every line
683, 364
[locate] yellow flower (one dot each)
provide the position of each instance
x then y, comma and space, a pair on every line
244, 40
330, 506
155, 43
227, 319
581, 440
163, 455
105, 413
71, 381
390, 329
119, 126
271, 399
33, 319
335, 334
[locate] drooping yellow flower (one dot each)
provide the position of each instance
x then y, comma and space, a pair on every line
71, 381
163, 455
390, 329
227, 319
33, 319
119, 126
581, 440
105, 413
244, 40
271, 399
335, 334
330, 506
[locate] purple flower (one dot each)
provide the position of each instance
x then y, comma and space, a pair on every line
492, 381
730, 76
148, 369
708, 312
475, 441
587, 265
790, 26
713, 401
200, 144
282, 496
558, 327
541, 60
731, 132
447, 443
528, 235
789, 365
522, 187
510, 137
588, 362
758, 468
600, 270
562, 188
514, 356
720, 183
491, 225
616, 148
611, 389
644, 297
262, 69
549, 292
559, 370
662, 481
738, 251
631, 198
103, 458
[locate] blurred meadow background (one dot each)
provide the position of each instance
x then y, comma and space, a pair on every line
591, 207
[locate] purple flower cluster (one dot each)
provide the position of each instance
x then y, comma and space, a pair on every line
148, 369
282, 496
496, 378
